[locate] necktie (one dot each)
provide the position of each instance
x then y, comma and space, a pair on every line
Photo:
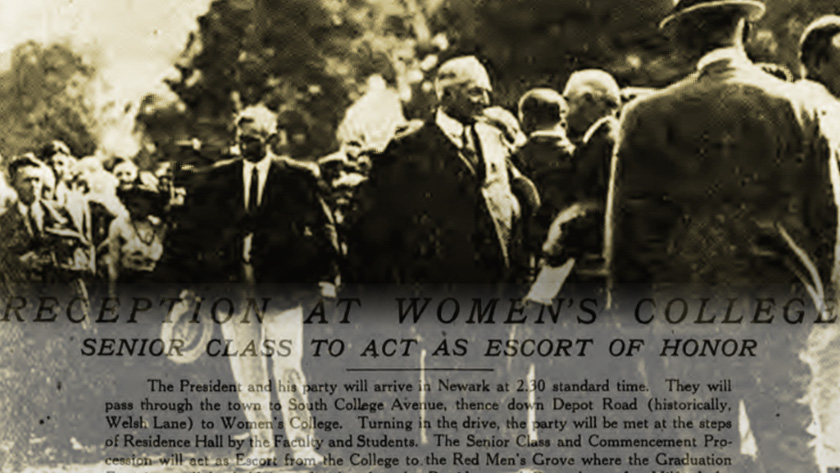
472, 150
253, 192
33, 222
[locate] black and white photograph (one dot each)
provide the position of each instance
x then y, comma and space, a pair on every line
419, 236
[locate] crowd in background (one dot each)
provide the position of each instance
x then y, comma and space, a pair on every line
561, 142
743, 190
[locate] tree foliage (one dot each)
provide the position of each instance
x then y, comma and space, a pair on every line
313, 56
42, 97
308, 56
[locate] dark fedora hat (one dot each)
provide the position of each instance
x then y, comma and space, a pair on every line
753, 9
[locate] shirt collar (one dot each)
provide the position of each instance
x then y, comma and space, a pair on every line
548, 133
731, 53
261, 165
451, 127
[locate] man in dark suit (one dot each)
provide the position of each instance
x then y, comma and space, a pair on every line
438, 206
593, 96
42, 253
40, 241
594, 99
272, 235
547, 158
724, 179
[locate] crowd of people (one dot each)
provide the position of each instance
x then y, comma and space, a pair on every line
729, 176
127, 226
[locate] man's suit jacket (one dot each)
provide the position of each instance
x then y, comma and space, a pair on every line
426, 217
16, 240
294, 240
724, 177
547, 159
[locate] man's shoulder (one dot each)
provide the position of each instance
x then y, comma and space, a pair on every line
662, 97
746, 82
217, 170
411, 134
552, 149
412, 143
297, 169
9, 218
303, 178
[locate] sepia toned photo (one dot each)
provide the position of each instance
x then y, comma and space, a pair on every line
438, 236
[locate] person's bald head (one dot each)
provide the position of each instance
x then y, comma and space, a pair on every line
463, 88
591, 94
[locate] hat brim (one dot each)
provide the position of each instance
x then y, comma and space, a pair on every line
753, 9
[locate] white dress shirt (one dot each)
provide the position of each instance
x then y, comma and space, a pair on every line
262, 173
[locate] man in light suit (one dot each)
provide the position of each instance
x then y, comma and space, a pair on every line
271, 235
724, 179
438, 207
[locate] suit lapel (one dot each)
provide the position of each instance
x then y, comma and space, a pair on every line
18, 231
492, 151
274, 168
238, 183
495, 189
439, 140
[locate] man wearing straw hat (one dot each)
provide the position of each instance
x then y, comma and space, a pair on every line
724, 180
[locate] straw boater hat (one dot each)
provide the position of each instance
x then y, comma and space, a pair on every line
754, 9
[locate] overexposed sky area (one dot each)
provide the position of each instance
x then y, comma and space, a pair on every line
123, 30
131, 43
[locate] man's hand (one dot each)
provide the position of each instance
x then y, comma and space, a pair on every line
34, 261
327, 290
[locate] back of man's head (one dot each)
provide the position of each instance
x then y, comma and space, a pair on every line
817, 42
541, 109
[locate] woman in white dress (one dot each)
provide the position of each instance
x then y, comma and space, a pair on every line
136, 238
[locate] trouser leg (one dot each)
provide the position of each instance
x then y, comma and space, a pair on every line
249, 371
288, 371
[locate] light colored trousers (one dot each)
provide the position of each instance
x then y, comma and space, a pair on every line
287, 371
